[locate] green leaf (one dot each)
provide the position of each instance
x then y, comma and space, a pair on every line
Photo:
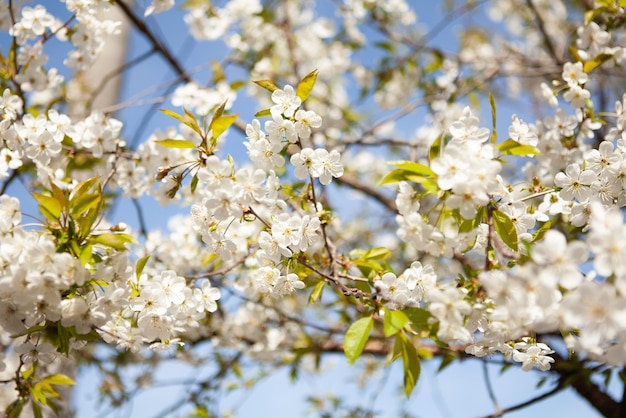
116, 241
173, 114
447, 359
86, 221
267, 85
317, 291
397, 349
14, 410
64, 339
85, 254
541, 231
393, 322
81, 204
511, 147
82, 200
218, 113
413, 167
411, 362
219, 125
54, 407
175, 143
589, 66
494, 134
236, 85
367, 266
574, 53
49, 206
435, 148
263, 113
305, 86
36, 409
60, 195
417, 173
394, 176
188, 119
505, 229
378, 253
356, 337
419, 317
84, 187
471, 224
436, 62
58, 379
141, 264
622, 3
37, 392
194, 183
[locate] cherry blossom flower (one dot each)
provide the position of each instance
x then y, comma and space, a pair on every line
286, 102
326, 165
519, 131
575, 182
573, 74
531, 355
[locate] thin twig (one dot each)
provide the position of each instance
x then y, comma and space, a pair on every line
524, 404
489, 386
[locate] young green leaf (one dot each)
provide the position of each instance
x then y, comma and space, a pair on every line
505, 229
419, 317
262, 113
393, 322
511, 147
141, 263
317, 291
175, 143
494, 135
82, 203
14, 410
410, 361
57, 379
173, 114
36, 409
218, 113
356, 337
267, 85
589, 66
436, 147
116, 241
190, 120
219, 125
305, 86
194, 183
49, 206
413, 167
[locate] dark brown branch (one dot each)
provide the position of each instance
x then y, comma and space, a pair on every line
348, 180
546, 37
14, 174
158, 47
588, 390
622, 412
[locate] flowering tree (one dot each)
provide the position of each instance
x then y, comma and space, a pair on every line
390, 198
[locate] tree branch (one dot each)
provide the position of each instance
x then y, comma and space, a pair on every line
351, 181
581, 382
158, 47
524, 404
